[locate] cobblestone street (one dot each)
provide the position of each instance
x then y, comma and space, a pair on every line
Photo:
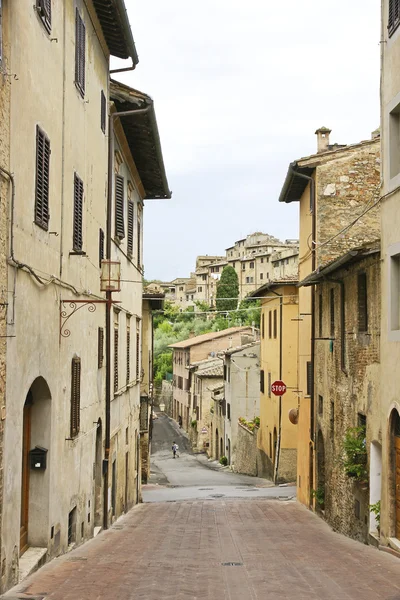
218, 549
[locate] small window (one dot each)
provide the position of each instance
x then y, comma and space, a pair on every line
262, 381
43, 8
100, 347
80, 50
275, 323
75, 396
261, 275
309, 378
362, 302
78, 214
115, 360
243, 267
103, 111
394, 16
332, 312
101, 246
270, 324
119, 207
42, 215
262, 259
130, 228
252, 265
228, 410
320, 405
199, 289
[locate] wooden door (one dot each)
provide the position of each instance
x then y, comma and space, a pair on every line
397, 475
26, 443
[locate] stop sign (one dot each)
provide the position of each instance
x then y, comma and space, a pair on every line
278, 388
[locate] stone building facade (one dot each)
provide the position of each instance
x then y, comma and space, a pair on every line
337, 190
348, 388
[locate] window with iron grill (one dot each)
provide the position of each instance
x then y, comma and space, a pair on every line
394, 16
100, 347
75, 395
80, 50
130, 227
43, 8
101, 246
115, 360
362, 302
103, 111
128, 356
119, 207
262, 381
309, 378
78, 214
42, 179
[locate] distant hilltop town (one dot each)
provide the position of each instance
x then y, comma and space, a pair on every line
257, 259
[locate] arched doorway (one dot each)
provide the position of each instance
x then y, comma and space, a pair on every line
320, 493
395, 434
98, 516
221, 447
216, 444
35, 482
229, 451
375, 469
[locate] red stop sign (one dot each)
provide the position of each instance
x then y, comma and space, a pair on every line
278, 388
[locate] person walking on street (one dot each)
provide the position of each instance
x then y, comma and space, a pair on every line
175, 448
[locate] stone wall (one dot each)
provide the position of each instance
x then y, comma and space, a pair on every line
246, 451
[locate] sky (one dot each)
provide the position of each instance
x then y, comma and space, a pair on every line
239, 88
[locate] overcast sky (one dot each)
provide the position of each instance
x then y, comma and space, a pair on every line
240, 86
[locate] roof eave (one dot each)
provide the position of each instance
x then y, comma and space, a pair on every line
288, 194
320, 275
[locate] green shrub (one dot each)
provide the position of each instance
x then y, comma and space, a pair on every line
355, 451
194, 424
376, 509
223, 461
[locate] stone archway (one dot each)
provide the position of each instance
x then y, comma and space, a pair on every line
35, 480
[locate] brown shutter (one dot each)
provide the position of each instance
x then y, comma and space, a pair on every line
100, 347
130, 227
119, 207
262, 381
115, 360
309, 378
394, 15
44, 12
80, 48
42, 179
101, 246
362, 302
262, 325
128, 357
75, 396
78, 214
103, 112
270, 324
275, 323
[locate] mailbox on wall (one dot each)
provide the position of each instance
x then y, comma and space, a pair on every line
38, 458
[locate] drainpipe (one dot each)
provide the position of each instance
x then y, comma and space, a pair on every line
278, 442
109, 300
124, 70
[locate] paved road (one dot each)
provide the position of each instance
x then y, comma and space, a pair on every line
218, 550
193, 476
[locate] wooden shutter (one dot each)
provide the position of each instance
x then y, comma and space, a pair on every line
119, 207
42, 179
362, 302
275, 323
44, 12
394, 15
270, 324
130, 227
128, 356
262, 325
101, 246
100, 347
80, 49
103, 112
262, 381
139, 254
309, 378
115, 360
138, 351
332, 311
78, 214
75, 396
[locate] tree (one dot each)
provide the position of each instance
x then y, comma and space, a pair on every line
227, 290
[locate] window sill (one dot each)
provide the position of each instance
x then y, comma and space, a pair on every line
77, 253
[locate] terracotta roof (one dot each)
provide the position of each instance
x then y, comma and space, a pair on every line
215, 386
211, 372
116, 28
206, 337
289, 280
239, 348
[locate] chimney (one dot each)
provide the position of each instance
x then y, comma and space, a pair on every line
323, 139
191, 334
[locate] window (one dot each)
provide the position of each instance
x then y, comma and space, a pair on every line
115, 360
262, 381
119, 207
309, 378
394, 16
101, 246
103, 111
261, 275
275, 323
75, 395
100, 347
362, 421
233, 264
252, 265
130, 228
270, 324
262, 259
394, 141
138, 350
42, 179
320, 298
362, 302
269, 384
43, 8
228, 410
332, 312
332, 418
80, 43
128, 350
199, 289
204, 277
262, 325
225, 373
243, 267
320, 405
77, 238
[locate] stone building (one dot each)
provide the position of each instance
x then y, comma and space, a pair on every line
348, 389
390, 213
285, 263
277, 436
80, 177
190, 351
337, 190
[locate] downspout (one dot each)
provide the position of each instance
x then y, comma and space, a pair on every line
278, 441
107, 440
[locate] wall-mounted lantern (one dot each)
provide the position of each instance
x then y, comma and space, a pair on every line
110, 279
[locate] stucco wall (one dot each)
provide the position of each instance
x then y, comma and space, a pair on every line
246, 451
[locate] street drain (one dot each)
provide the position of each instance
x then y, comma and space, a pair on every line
232, 564
77, 558
205, 489
217, 495
118, 527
